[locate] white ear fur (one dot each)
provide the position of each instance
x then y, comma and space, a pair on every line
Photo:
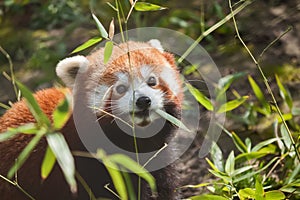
156, 44
68, 68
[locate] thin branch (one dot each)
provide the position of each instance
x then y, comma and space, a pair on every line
155, 155
11, 68
110, 190
273, 42
15, 184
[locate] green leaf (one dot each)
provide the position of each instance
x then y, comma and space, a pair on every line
239, 143
100, 27
221, 175
196, 186
129, 186
230, 105
241, 170
263, 144
61, 114
34, 108
225, 82
172, 119
250, 175
144, 6
247, 193
259, 94
230, 163
212, 165
271, 149
27, 129
133, 166
274, 195
285, 94
190, 69
87, 44
285, 136
108, 51
293, 175
208, 197
114, 173
48, 163
217, 156
200, 97
259, 190
25, 154
60, 149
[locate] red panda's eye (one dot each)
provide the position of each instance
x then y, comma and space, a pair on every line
152, 81
121, 89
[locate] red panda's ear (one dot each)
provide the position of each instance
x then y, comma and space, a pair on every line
68, 68
156, 44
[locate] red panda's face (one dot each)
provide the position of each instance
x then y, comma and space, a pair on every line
132, 92
138, 96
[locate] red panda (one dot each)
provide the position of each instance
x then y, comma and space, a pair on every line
139, 78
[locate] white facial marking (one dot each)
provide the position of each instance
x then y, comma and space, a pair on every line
169, 76
99, 98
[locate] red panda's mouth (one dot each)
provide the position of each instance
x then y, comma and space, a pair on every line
140, 113
143, 117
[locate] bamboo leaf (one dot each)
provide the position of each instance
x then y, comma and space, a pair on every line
274, 195
200, 97
230, 105
172, 119
230, 163
225, 82
263, 144
259, 190
144, 6
212, 165
217, 156
34, 108
114, 173
48, 163
100, 27
250, 175
61, 114
285, 94
60, 149
259, 94
239, 143
108, 51
87, 44
27, 129
247, 193
133, 166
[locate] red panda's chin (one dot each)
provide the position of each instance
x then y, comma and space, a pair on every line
144, 123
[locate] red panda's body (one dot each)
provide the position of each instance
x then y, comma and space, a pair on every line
105, 87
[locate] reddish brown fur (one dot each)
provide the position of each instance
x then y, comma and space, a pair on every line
18, 115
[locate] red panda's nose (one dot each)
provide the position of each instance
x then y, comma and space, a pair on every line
143, 102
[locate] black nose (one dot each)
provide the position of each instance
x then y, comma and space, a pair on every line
143, 102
